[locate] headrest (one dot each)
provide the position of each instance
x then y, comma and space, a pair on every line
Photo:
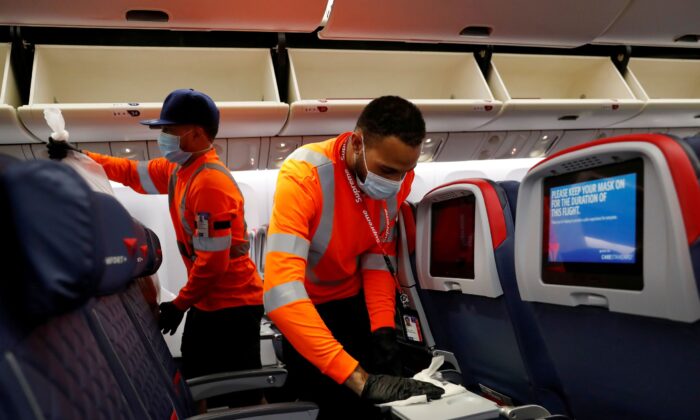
152, 253
409, 220
694, 143
612, 223
494, 201
511, 190
67, 242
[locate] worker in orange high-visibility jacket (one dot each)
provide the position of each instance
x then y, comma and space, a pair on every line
328, 285
223, 292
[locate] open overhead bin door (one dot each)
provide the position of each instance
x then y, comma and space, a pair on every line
329, 88
104, 92
11, 129
559, 92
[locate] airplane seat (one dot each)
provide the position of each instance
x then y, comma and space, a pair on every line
413, 330
52, 366
511, 189
66, 235
467, 281
606, 257
143, 313
146, 387
261, 245
65, 358
152, 253
694, 143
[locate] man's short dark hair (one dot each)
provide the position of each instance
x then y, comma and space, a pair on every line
392, 116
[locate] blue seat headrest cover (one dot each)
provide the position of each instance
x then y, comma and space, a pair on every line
69, 243
694, 143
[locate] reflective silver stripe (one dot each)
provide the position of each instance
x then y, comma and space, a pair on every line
224, 171
171, 186
284, 294
375, 262
236, 251
322, 237
286, 242
207, 165
242, 248
391, 206
145, 178
218, 243
307, 155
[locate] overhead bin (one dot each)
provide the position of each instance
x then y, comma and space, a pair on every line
559, 92
329, 88
549, 23
104, 92
241, 15
670, 89
656, 23
11, 129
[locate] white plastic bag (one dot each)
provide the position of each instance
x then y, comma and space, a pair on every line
430, 375
54, 119
91, 171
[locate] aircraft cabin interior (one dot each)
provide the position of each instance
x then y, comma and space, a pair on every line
548, 252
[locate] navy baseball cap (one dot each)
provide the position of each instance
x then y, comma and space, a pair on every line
187, 106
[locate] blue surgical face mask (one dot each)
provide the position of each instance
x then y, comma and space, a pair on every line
169, 145
375, 186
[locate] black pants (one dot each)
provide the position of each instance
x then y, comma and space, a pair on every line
222, 341
348, 320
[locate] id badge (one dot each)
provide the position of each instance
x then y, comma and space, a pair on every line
412, 326
202, 221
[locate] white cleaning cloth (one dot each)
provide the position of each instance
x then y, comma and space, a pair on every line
432, 376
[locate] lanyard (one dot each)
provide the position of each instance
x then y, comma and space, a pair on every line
365, 212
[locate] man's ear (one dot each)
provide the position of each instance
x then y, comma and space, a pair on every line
356, 141
201, 135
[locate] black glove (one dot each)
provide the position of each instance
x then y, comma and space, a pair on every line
170, 317
385, 352
59, 149
384, 388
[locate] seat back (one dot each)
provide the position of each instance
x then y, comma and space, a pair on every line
414, 334
51, 364
606, 255
142, 312
467, 277
69, 344
56, 370
146, 382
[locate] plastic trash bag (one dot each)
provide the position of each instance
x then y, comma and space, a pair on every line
433, 376
91, 171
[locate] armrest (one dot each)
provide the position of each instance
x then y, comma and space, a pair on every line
223, 383
277, 411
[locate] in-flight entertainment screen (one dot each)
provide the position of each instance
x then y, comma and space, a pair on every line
452, 238
593, 223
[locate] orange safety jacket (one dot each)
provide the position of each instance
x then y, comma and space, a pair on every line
320, 249
206, 208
